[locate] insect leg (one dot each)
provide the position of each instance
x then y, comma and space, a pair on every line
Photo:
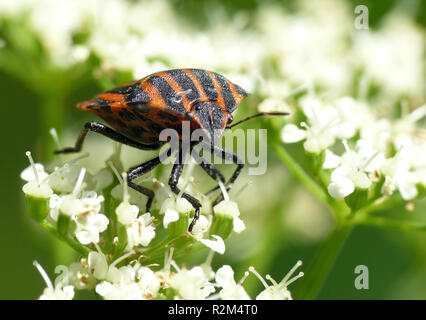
209, 168
173, 182
108, 132
231, 156
141, 169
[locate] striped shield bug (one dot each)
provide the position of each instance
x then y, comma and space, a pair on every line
138, 111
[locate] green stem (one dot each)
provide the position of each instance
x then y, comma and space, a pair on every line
389, 223
84, 251
309, 183
316, 274
383, 205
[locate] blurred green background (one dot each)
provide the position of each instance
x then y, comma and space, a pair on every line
396, 259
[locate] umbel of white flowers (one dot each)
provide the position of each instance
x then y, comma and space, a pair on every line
372, 160
137, 282
61, 200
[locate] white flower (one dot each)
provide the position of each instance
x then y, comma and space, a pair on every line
84, 211
399, 176
37, 190
28, 173
351, 173
397, 69
141, 232
72, 205
320, 134
148, 282
229, 207
65, 293
331, 160
351, 114
98, 265
126, 213
65, 178
217, 245
230, 289
99, 268
292, 133
180, 205
124, 274
340, 187
201, 227
79, 275
90, 226
57, 292
277, 291
170, 216
191, 284
119, 291
126, 282
36, 177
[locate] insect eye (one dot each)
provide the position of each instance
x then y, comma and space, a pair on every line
230, 118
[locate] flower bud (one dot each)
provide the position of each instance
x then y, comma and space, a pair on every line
222, 225
64, 179
126, 213
70, 206
37, 199
179, 205
226, 218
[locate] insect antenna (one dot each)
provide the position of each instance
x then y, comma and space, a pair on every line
262, 114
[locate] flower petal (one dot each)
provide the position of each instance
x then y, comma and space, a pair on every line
170, 216
341, 188
225, 277
331, 160
217, 246
291, 133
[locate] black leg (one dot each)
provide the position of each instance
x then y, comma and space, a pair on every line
141, 169
209, 168
173, 181
230, 156
108, 132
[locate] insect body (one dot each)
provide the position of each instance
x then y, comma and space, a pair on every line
137, 112
142, 109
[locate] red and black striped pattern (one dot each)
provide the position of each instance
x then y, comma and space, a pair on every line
143, 108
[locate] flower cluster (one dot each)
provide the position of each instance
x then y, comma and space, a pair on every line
136, 282
121, 246
387, 154
268, 51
